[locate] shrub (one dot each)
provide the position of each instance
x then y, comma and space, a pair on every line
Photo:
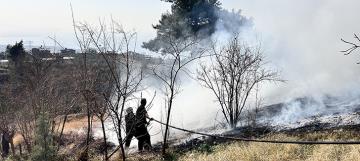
44, 149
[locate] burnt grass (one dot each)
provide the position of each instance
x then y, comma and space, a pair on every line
321, 127
204, 144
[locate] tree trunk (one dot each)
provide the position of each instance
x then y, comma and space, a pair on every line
12, 147
105, 142
121, 141
88, 132
20, 149
61, 132
167, 125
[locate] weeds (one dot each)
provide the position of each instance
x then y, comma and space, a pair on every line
268, 152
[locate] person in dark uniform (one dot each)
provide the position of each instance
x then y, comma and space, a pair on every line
142, 133
130, 120
5, 144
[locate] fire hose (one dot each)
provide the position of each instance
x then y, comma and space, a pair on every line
257, 140
254, 140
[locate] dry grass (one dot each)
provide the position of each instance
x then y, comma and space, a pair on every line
18, 139
283, 152
138, 157
244, 151
76, 123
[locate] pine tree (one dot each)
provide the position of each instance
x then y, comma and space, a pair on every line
198, 19
44, 149
16, 52
187, 18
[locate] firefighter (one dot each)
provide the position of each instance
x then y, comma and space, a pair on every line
142, 133
130, 120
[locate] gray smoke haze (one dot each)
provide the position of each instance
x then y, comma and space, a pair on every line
299, 38
302, 39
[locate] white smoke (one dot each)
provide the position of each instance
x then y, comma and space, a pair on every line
302, 39
299, 38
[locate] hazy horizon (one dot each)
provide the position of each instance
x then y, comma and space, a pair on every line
301, 39
33, 21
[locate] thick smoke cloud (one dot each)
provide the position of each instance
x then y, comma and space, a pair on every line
299, 38
195, 106
302, 39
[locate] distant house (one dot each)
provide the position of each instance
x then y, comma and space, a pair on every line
145, 58
3, 71
41, 53
4, 63
67, 51
2, 55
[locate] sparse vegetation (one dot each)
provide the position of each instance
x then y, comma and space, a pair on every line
265, 151
68, 104
235, 72
248, 151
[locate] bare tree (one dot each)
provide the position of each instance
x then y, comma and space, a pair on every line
117, 48
233, 73
32, 90
102, 93
353, 45
99, 93
177, 54
7, 128
38, 85
83, 38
